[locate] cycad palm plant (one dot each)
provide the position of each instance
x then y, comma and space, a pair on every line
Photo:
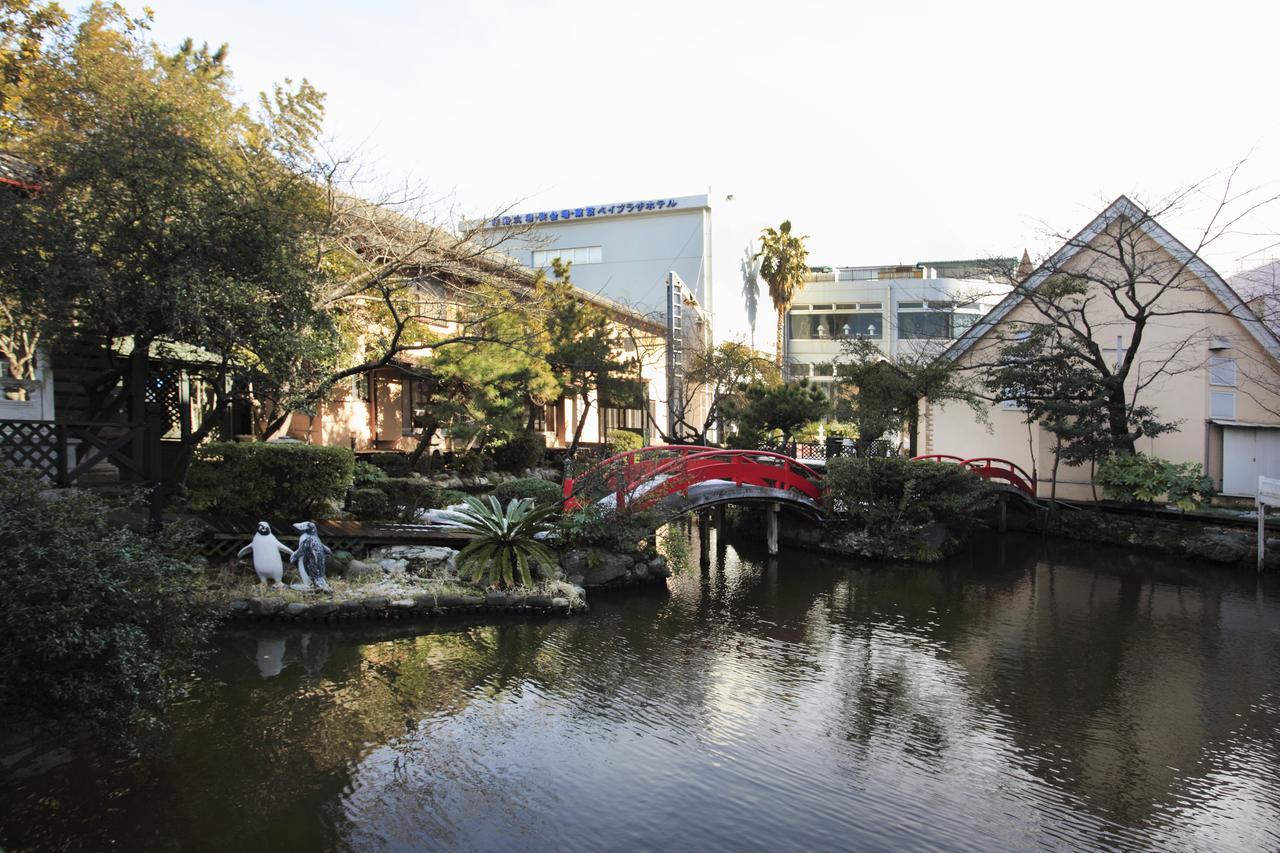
784, 261
503, 541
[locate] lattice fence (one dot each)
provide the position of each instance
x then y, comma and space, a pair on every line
31, 444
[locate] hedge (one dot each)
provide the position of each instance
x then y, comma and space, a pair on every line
622, 440
543, 492
269, 480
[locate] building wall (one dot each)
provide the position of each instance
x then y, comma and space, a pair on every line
1177, 347
881, 300
637, 249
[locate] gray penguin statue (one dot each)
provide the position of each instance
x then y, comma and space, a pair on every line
310, 557
266, 550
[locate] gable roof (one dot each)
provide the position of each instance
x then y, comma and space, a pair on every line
1122, 207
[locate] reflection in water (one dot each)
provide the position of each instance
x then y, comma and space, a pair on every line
1030, 694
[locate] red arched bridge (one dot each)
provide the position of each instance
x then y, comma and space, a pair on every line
676, 479
1002, 472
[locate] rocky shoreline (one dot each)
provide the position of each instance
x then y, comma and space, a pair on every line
422, 581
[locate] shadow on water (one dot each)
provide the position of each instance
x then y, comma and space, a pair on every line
1026, 693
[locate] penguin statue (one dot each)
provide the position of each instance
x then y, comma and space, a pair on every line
310, 557
266, 550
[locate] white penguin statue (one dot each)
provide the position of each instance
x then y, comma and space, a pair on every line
266, 550
310, 557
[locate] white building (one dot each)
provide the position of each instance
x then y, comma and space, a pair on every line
622, 251
900, 308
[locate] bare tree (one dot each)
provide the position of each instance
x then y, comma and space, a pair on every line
402, 282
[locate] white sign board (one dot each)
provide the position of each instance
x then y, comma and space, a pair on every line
1269, 491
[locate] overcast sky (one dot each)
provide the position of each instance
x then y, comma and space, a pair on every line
888, 132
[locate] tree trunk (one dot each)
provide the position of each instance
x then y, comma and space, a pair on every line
782, 319
424, 442
1053, 484
577, 430
1118, 420
913, 426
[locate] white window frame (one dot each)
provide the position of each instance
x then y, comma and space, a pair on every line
576, 255
1223, 371
1224, 397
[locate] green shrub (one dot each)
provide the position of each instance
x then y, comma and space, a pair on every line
450, 497
392, 463
601, 527
542, 492
370, 504
885, 504
366, 474
521, 451
407, 495
98, 624
1136, 478
472, 463
622, 440
269, 480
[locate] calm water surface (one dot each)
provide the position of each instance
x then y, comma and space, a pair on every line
1027, 695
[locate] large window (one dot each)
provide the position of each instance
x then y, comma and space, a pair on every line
920, 325
632, 419
578, 255
931, 323
808, 327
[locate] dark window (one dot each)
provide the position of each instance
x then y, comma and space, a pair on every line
920, 325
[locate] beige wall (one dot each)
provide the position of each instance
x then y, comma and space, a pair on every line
1175, 349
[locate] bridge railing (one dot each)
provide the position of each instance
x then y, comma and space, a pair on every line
990, 468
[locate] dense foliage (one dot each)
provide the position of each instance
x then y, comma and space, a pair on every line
390, 463
273, 480
1138, 478
881, 396
1056, 383
98, 629
166, 212
504, 542
767, 412
520, 451
595, 526
887, 505
541, 492
622, 440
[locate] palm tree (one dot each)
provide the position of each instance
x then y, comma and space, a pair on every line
783, 265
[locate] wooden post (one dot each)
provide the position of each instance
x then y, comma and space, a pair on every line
771, 530
704, 538
1003, 524
1262, 535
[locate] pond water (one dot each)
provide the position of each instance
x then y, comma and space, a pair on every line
1029, 694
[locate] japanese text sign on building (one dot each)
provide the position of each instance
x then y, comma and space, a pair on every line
584, 212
